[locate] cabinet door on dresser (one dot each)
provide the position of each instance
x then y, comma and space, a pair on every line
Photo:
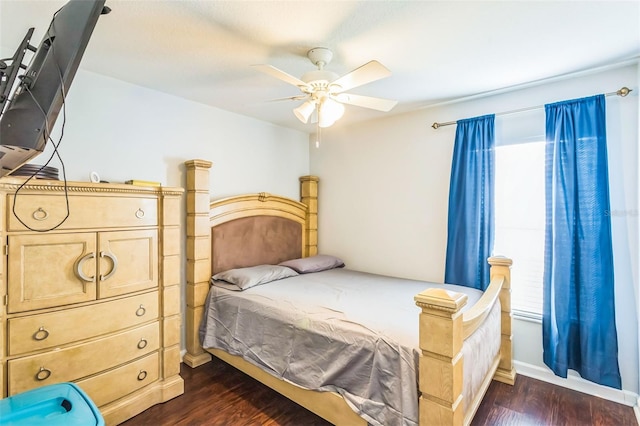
50, 270
128, 262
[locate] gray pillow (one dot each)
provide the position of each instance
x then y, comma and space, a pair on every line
306, 265
244, 278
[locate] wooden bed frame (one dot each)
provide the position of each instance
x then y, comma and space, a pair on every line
443, 327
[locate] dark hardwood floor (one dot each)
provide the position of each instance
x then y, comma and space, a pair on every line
218, 394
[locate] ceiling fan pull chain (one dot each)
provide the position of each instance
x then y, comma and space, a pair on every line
318, 130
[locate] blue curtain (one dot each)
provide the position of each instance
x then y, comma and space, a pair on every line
471, 198
579, 330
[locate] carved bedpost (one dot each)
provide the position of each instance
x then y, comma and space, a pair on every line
198, 257
171, 258
309, 196
505, 372
441, 362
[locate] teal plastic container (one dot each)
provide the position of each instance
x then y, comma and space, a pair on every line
63, 404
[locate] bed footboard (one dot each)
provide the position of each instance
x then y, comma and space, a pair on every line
443, 328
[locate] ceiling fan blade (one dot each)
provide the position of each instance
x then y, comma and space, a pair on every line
289, 98
379, 104
279, 74
371, 71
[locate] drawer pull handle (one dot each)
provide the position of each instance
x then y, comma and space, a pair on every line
114, 260
79, 264
142, 375
43, 374
141, 311
41, 334
40, 214
139, 213
142, 343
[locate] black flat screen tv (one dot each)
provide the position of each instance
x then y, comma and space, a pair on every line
27, 115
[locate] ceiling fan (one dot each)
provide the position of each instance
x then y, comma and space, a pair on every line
325, 91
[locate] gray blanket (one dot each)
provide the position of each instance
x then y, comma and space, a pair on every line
339, 330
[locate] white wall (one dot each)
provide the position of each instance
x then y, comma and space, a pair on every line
637, 407
123, 131
384, 192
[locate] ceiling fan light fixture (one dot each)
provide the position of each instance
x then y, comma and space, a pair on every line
325, 122
304, 111
330, 111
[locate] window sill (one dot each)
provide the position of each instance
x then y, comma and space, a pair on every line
527, 316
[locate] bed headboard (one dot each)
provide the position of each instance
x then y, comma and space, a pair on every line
240, 231
254, 230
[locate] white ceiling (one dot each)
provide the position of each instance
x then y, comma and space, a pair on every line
436, 50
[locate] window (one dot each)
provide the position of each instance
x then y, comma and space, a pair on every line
519, 221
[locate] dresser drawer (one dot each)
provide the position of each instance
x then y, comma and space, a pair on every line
76, 362
43, 331
114, 384
46, 211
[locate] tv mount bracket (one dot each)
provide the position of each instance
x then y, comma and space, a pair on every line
8, 73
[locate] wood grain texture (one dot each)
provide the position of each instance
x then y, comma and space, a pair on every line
98, 300
217, 394
328, 405
534, 402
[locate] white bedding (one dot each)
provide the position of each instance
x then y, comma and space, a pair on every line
344, 331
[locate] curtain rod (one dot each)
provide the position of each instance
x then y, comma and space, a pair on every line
622, 92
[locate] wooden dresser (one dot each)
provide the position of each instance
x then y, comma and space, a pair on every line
95, 301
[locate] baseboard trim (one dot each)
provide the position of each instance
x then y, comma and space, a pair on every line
636, 410
575, 382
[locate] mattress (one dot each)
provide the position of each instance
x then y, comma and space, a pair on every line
344, 331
